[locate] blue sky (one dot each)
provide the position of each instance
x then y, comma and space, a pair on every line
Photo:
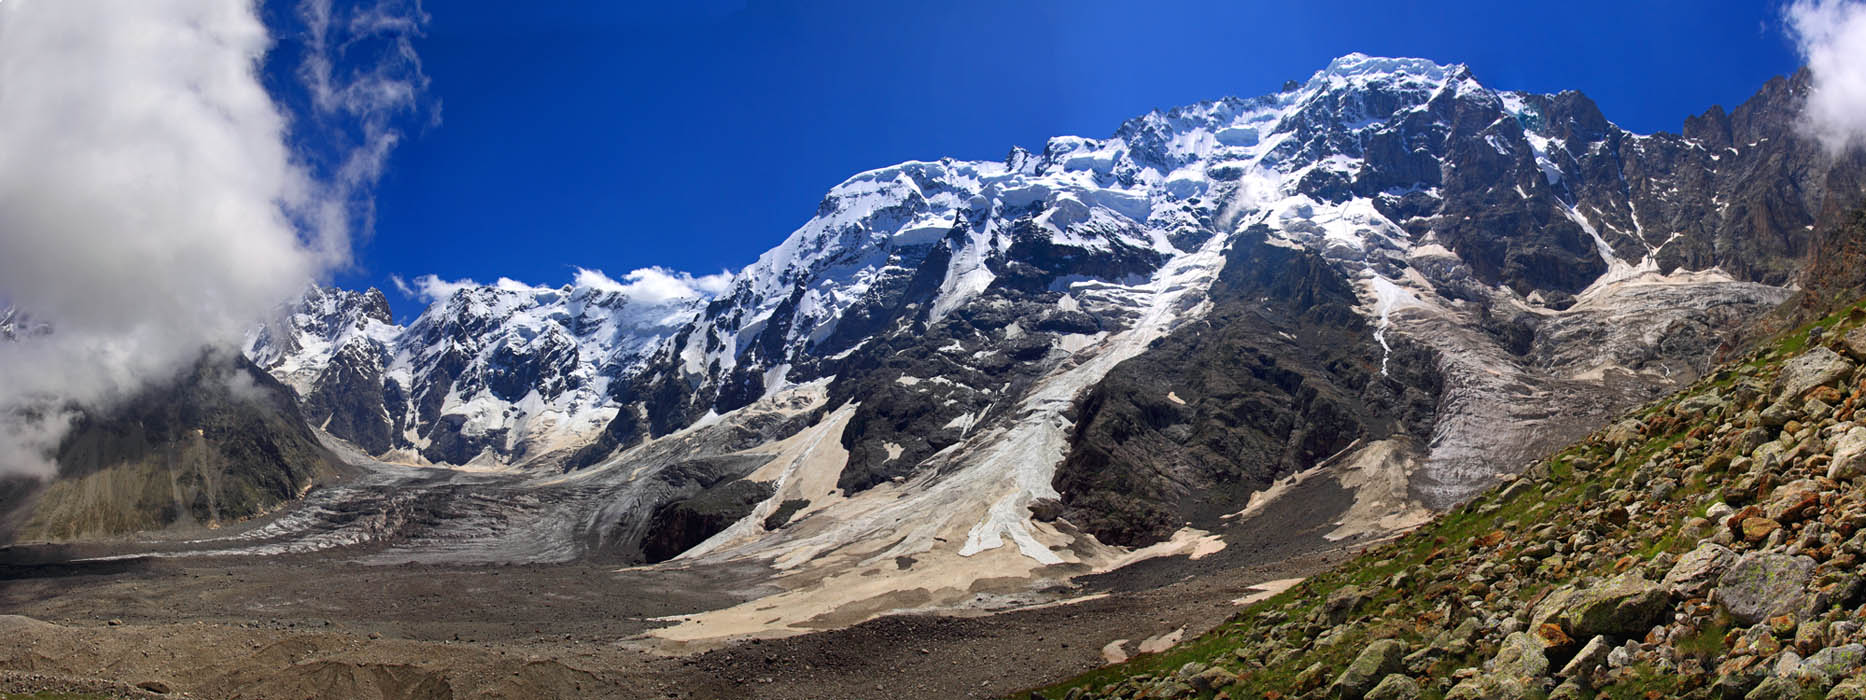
616, 136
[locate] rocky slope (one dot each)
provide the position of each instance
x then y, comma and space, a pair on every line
219, 443
1706, 545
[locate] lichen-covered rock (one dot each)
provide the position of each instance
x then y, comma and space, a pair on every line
1775, 688
1395, 686
1623, 606
1373, 663
1763, 584
1829, 665
1816, 367
1489, 687
1849, 455
1520, 656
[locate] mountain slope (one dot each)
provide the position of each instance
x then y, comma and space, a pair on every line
221, 442
1704, 546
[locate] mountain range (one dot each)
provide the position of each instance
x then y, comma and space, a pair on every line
1378, 291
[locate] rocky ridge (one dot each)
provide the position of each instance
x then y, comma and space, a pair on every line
1704, 546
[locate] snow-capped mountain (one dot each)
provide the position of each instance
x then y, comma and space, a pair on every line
503, 373
1378, 289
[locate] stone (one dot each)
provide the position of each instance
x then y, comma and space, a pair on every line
1854, 343
1698, 570
1593, 655
1520, 656
1570, 689
1343, 602
1719, 512
1373, 663
1828, 665
1625, 431
1622, 607
157, 687
1311, 676
1775, 688
1760, 585
1851, 689
1814, 367
1849, 455
1756, 528
1046, 510
1793, 501
1395, 686
1488, 687
1457, 640
1212, 679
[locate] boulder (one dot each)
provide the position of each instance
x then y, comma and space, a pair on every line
1342, 603
1854, 343
1764, 584
1396, 686
1815, 367
1849, 455
1757, 528
1621, 607
1829, 665
1489, 687
1375, 662
1520, 656
1793, 501
1625, 431
1698, 570
1851, 689
1593, 655
1775, 688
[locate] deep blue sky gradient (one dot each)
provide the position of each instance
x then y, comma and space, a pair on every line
616, 136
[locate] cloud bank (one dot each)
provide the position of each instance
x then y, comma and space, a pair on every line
156, 200
1831, 36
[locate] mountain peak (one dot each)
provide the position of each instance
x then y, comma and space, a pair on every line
1359, 65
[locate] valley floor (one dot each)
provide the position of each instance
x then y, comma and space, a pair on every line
323, 625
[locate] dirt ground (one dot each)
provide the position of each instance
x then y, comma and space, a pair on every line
323, 625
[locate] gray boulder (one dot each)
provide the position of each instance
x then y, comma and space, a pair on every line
1367, 669
1395, 686
1698, 570
1593, 655
1816, 367
1849, 455
1520, 656
1623, 606
1763, 584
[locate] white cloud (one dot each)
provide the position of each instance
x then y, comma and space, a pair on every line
431, 288
152, 205
1831, 35
656, 285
